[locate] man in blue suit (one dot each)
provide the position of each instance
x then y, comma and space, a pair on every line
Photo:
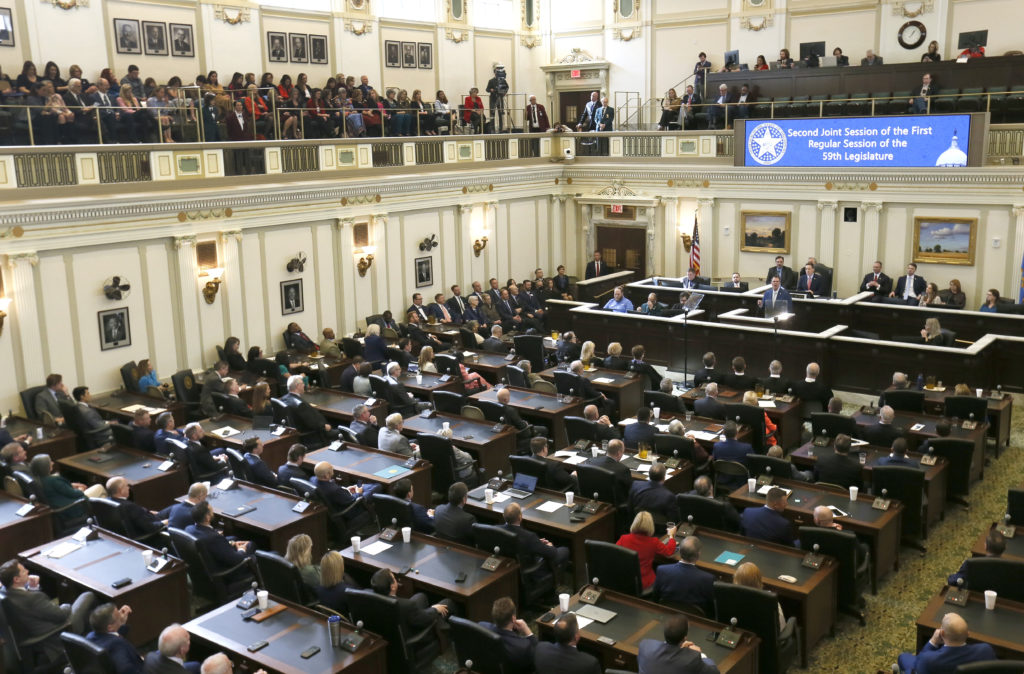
640, 432
767, 522
260, 472
293, 467
179, 515
529, 544
439, 309
810, 281
109, 626
683, 582
946, 650
422, 519
223, 553
340, 497
898, 456
731, 449
653, 496
562, 656
674, 655
517, 638
776, 299
709, 406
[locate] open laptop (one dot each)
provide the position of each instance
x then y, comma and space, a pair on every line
829, 61
522, 486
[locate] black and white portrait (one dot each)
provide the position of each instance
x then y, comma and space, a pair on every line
392, 58
318, 49
126, 34
291, 297
297, 42
426, 55
6, 28
408, 54
424, 272
115, 331
276, 47
156, 37
181, 40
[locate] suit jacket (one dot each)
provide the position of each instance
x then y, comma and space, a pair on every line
619, 363
739, 382
286, 471
221, 552
335, 495
705, 375
471, 314
237, 406
604, 118
647, 370
840, 469
421, 310
941, 660
140, 520
557, 477
787, 277
455, 309
366, 433
330, 348
552, 657
689, 100
34, 614
777, 385
655, 498
764, 523
659, 657
623, 476
898, 461
178, 515
593, 272
816, 283
416, 334
307, 418
434, 309
813, 390
877, 62
144, 438
507, 309
494, 345
375, 349
261, 473
46, 402
606, 432
884, 284
637, 433
347, 376
512, 418
784, 301
126, 659
685, 583
518, 649
212, 383
529, 543
421, 520
239, 130
879, 434
920, 285
731, 450
586, 120
454, 523
711, 408
393, 441
156, 663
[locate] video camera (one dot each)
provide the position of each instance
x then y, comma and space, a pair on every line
499, 74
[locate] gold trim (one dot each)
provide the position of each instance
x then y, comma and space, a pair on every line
782, 218
68, 4
940, 257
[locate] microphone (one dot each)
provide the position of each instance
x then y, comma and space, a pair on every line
815, 547
595, 495
689, 519
594, 580
359, 625
733, 622
469, 665
306, 496
768, 470
885, 493
959, 582
394, 521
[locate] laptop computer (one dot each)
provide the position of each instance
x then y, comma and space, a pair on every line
829, 61
522, 486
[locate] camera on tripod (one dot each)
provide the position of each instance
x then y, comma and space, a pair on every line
499, 74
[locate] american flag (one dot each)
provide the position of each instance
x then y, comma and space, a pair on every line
695, 247
1020, 296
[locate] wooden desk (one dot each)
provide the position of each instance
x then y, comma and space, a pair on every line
1000, 410
935, 477
337, 406
273, 521
812, 598
594, 289
359, 463
448, 332
434, 564
289, 633
275, 447
540, 406
428, 383
1001, 627
678, 480
157, 599
907, 420
312, 365
786, 416
57, 442
637, 620
490, 366
1014, 547
555, 526
880, 527
695, 424
151, 488
628, 391
476, 437
17, 533
113, 407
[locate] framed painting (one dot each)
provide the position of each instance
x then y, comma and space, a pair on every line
276, 50
945, 240
156, 38
424, 271
115, 330
764, 232
291, 297
126, 36
182, 40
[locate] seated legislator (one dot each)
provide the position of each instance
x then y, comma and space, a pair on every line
109, 631
140, 520
641, 432
995, 546
708, 373
518, 641
898, 456
299, 552
330, 591
794, 473
223, 553
530, 544
252, 453
839, 467
143, 436
292, 467
562, 656
233, 354
171, 652
422, 519
556, 476
49, 398
329, 344
348, 375
451, 521
810, 281
738, 379
883, 433
179, 515
731, 449
641, 367
683, 582
415, 613
604, 428
825, 519
233, 404
213, 382
342, 497
775, 383
767, 522
709, 406
90, 417
691, 280
364, 425
652, 307
748, 575
615, 360
704, 487
675, 654
298, 340
612, 460
641, 539
946, 649
812, 388
877, 282
619, 303
374, 346
736, 282
390, 438
414, 332
494, 344
910, 287
786, 276
308, 420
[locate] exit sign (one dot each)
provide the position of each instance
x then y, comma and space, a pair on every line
574, 74
616, 208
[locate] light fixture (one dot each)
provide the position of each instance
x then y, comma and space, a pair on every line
5, 302
212, 285
480, 244
367, 259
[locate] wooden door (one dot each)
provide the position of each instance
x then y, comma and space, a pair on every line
570, 106
623, 248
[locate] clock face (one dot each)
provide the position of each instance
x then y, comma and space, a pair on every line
912, 34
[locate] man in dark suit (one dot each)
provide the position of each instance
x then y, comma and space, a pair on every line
812, 388
562, 655
524, 431
49, 398
775, 382
422, 519
364, 425
731, 449
919, 103
642, 432
786, 275
179, 515
293, 466
883, 433
298, 340
776, 299
530, 544
611, 460
348, 375
233, 404
414, 332
308, 420
90, 417
642, 367
674, 655
946, 649
223, 553
418, 308
451, 521
691, 281
239, 123
109, 627
414, 613
871, 59
910, 287
494, 343
171, 654
457, 304
604, 428
596, 267
709, 406
555, 476
205, 460
586, 120
341, 497
876, 282
512, 315
261, 473
898, 456
653, 496
995, 546
942, 430
568, 347
739, 379
839, 467
388, 321
139, 520
687, 108
683, 582
767, 523
810, 281
402, 401
439, 309
737, 283
517, 639
213, 382
717, 108
708, 373
704, 487
142, 435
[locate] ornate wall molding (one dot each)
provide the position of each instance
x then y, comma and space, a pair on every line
232, 15
919, 7
531, 41
67, 4
358, 27
755, 25
26, 257
456, 36
205, 214
187, 241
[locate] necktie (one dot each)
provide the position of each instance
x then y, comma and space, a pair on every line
445, 314
876, 278
507, 307
909, 286
808, 282
597, 269
462, 307
533, 114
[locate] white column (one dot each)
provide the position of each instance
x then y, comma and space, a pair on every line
1018, 244
464, 237
669, 236
347, 279
870, 215
231, 288
706, 225
492, 265
556, 232
188, 298
827, 233
378, 238
24, 314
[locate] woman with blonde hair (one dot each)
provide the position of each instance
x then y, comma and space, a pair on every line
647, 546
748, 575
750, 398
300, 553
615, 359
333, 581
261, 406
426, 360
587, 355
932, 331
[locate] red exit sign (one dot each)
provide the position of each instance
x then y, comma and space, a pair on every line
616, 208
574, 74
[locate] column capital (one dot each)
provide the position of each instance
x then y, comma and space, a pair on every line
870, 206
189, 240
705, 202
235, 234
831, 205
491, 204
1018, 210
344, 223
559, 198
15, 260
379, 218
465, 208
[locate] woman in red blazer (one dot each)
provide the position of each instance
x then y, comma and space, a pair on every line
641, 539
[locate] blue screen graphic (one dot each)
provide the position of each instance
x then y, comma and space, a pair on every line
913, 140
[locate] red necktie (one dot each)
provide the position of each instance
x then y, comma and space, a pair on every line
808, 282
597, 269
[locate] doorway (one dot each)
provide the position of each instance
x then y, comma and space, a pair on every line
570, 106
623, 248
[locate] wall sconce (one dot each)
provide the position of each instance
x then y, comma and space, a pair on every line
5, 302
213, 285
367, 259
480, 244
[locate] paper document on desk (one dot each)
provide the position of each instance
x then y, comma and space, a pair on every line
153, 411
643, 468
766, 403
279, 431
550, 506
602, 380
468, 354
374, 548
601, 615
678, 392
565, 452
226, 432
62, 549
662, 428
628, 421
573, 460
763, 489
917, 427
582, 621
854, 442
704, 435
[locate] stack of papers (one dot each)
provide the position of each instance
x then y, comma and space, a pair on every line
602, 380
374, 548
574, 460
226, 432
763, 489
766, 403
550, 506
62, 549
565, 452
704, 435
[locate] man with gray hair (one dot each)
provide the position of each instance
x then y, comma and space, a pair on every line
218, 663
775, 382
883, 433
139, 521
84, 125
683, 582
364, 425
307, 419
179, 515
390, 438
402, 401
172, 649
494, 343
206, 461
709, 406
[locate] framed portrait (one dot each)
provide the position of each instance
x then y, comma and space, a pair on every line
408, 54
154, 38
277, 50
6, 28
182, 40
126, 36
297, 48
764, 232
393, 53
291, 297
115, 330
424, 271
318, 49
426, 55
945, 240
